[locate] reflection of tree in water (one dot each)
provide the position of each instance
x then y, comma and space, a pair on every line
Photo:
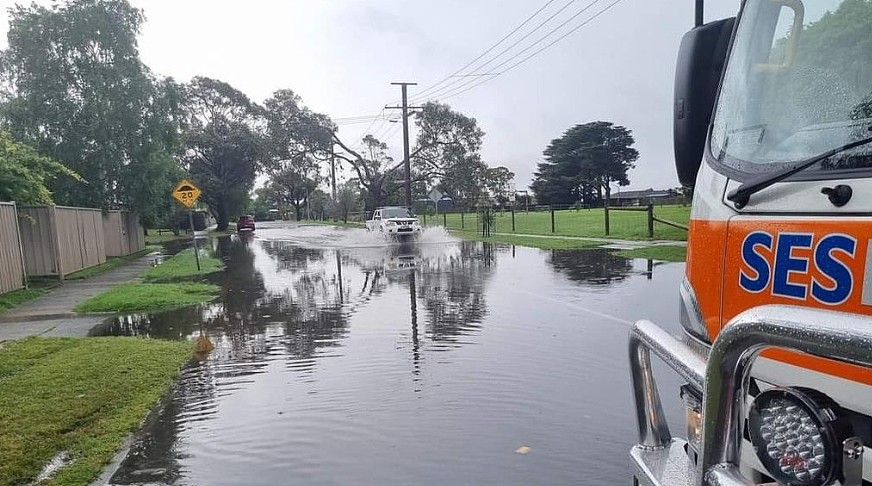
307, 305
307, 300
242, 286
176, 324
452, 291
289, 256
596, 267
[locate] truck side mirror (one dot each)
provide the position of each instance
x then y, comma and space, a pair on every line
701, 60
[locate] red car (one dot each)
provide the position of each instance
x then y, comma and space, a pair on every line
245, 223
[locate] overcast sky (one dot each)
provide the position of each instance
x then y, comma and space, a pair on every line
340, 56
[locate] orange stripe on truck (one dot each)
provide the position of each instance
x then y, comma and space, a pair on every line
747, 262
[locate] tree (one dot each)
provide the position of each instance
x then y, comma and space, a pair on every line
465, 181
376, 171
77, 91
583, 163
298, 140
498, 181
348, 198
318, 204
260, 205
447, 151
25, 174
295, 183
294, 130
223, 146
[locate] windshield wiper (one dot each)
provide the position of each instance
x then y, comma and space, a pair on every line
742, 194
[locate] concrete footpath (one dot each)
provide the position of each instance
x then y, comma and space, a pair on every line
611, 243
51, 315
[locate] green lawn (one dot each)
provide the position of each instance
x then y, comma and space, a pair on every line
663, 253
111, 262
17, 297
183, 265
82, 396
133, 297
153, 238
631, 225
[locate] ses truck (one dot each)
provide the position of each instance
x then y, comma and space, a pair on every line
773, 130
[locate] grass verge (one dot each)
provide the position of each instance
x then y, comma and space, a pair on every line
153, 238
231, 230
111, 262
628, 225
663, 253
149, 296
534, 242
183, 265
83, 396
18, 297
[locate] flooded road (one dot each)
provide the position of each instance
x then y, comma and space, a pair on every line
341, 359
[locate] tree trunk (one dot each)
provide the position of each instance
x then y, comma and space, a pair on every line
221, 215
297, 210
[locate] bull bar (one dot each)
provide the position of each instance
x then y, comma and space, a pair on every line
658, 458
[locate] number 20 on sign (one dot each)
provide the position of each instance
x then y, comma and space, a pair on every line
186, 193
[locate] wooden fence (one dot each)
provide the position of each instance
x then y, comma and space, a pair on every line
12, 273
61, 240
123, 233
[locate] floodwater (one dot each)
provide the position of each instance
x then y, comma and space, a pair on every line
343, 359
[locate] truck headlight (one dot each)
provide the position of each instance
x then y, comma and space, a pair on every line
390, 223
797, 434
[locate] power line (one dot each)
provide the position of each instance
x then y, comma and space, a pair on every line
536, 52
445, 89
478, 82
519, 27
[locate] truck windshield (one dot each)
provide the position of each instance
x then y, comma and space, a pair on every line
798, 84
396, 213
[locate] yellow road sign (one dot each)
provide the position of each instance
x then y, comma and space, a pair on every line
186, 193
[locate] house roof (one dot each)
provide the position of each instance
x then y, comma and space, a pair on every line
647, 193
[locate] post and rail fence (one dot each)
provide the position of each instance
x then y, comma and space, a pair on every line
666, 222
623, 222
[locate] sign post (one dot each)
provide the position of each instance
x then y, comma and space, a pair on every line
187, 194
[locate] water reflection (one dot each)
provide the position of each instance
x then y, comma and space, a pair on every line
314, 349
595, 267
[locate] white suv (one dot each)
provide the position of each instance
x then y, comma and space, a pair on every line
394, 221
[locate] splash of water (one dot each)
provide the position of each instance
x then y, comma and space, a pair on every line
319, 236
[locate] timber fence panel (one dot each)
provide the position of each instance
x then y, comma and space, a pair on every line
80, 232
39, 240
60, 240
12, 272
116, 237
135, 233
123, 233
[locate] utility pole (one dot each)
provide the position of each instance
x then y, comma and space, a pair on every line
333, 173
406, 161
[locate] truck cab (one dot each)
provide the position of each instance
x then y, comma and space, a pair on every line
773, 130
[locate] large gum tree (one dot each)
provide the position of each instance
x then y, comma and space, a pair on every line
223, 145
